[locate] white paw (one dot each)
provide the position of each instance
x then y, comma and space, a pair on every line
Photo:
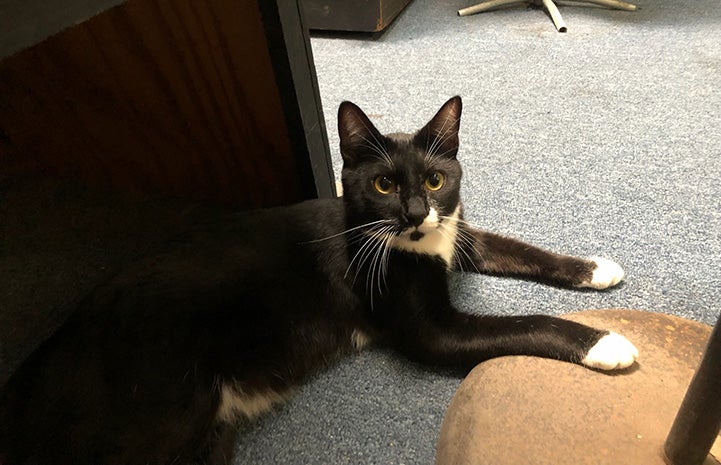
607, 273
611, 352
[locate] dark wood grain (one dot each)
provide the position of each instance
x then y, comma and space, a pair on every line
162, 96
211, 103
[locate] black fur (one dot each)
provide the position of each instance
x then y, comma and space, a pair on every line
257, 301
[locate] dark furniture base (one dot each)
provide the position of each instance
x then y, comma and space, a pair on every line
352, 15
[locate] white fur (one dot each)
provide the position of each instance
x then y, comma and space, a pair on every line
359, 339
439, 238
607, 273
233, 402
611, 352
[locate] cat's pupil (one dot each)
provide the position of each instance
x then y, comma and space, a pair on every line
434, 181
384, 184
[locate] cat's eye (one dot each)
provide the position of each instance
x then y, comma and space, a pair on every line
435, 181
384, 184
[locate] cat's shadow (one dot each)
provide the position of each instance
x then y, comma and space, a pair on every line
557, 285
618, 373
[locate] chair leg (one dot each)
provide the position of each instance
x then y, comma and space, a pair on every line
615, 4
555, 15
698, 420
549, 5
489, 5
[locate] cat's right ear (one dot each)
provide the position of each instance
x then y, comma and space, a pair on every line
440, 135
357, 133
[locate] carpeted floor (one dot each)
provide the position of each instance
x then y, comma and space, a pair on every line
604, 140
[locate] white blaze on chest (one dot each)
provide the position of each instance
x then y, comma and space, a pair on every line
439, 237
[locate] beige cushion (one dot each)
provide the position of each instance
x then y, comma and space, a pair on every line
527, 410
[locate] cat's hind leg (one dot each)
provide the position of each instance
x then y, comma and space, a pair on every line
221, 444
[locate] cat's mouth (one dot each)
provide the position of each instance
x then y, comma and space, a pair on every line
416, 233
429, 224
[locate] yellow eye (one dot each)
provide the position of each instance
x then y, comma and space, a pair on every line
384, 185
435, 181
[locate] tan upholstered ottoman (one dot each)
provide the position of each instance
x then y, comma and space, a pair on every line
527, 410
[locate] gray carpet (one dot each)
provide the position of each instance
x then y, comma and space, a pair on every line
604, 140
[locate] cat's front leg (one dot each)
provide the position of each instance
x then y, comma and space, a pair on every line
461, 340
420, 320
490, 253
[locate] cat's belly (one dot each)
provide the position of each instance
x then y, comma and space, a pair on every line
235, 403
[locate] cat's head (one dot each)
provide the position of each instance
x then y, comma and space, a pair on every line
406, 183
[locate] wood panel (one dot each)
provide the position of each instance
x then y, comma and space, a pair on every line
164, 96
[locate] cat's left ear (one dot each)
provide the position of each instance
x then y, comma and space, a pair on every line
440, 136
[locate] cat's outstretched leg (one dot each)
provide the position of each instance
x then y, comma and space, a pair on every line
489, 253
433, 331
463, 341
606, 273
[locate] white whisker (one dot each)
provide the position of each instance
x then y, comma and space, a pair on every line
466, 240
361, 250
373, 252
467, 223
444, 153
385, 261
369, 246
380, 147
370, 278
440, 137
346, 231
382, 154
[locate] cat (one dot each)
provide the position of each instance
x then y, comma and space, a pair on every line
157, 365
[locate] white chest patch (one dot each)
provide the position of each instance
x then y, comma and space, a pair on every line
234, 402
439, 237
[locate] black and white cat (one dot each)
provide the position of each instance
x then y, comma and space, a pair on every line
158, 364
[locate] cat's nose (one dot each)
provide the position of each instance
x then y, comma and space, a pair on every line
416, 212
